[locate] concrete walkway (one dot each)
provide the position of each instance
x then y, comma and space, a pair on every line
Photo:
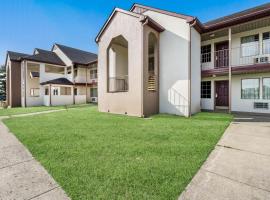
239, 167
21, 176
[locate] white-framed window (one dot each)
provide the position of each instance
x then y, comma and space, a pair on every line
93, 73
266, 88
34, 92
266, 43
250, 88
206, 53
250, 45
55, 91
206, 89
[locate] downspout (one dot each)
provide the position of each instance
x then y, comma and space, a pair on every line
50, 93
86, 85
189, 68
25, 72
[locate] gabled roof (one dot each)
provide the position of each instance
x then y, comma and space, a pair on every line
78, 56
58, 81
239, 17
15, 56
45, 57
144, 19
174, 14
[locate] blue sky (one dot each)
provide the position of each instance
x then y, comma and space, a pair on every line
26, 24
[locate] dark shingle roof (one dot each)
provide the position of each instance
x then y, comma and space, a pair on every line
46, 57
78, 56
15, 56
261, 8
58, 81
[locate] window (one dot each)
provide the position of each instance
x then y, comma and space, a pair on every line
65, 90
266, 88
266, 43
206, 53
75, 72
93, 92
250, 89
68, 70
250, 45
206, 90
34, 92
46, 91
54, 69
55, 91
75, 91
93, 73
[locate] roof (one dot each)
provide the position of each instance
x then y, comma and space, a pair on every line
45, 56
15, 56
239, 17
78, 56
144, 19
174, 14
58, 81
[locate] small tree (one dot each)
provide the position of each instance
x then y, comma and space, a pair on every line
2, 82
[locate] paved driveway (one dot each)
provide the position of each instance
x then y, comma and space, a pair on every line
239, 167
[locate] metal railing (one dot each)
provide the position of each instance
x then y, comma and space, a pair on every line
246, 54
118, 84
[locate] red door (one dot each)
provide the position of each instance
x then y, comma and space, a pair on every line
222, 93
222, 54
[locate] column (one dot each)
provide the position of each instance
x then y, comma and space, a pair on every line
230, 70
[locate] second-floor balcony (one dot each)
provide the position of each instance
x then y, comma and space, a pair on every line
252, 53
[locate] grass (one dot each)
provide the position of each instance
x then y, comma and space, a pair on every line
21, 110
96, 155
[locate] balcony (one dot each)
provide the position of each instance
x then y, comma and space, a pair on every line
118, 84
249, 56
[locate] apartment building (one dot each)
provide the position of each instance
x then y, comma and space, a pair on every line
62, 76
155, 61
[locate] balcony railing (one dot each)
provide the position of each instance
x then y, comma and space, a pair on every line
247, 54
118, 84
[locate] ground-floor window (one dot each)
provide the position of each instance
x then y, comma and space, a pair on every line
266, 88
55, 91
206, 90
75, 91
46, 91
34, 92
93, 92
250, 88
65, 90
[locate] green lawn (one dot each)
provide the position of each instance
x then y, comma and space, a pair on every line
20, 110
96, 155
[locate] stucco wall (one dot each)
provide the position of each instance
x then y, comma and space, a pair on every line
174, 61
122, 102
195, 71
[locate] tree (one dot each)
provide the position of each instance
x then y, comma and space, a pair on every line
2, 82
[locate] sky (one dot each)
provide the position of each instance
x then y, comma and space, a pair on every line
29, 24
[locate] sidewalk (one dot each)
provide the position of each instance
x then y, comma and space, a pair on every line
21, 176
239, 167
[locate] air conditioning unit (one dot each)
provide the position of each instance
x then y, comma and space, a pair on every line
261, 105
94, 99
264, 59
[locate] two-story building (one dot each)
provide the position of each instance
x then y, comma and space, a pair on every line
62, 76
155, 61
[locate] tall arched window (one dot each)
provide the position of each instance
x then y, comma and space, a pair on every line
117, 54
152, 61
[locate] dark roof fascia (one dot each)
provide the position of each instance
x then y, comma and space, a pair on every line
153, 24
52, 82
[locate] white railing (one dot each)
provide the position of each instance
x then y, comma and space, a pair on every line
247, 54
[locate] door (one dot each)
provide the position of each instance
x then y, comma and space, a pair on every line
222, 93
222, 54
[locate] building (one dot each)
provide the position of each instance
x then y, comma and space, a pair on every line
155, 61
62, 76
